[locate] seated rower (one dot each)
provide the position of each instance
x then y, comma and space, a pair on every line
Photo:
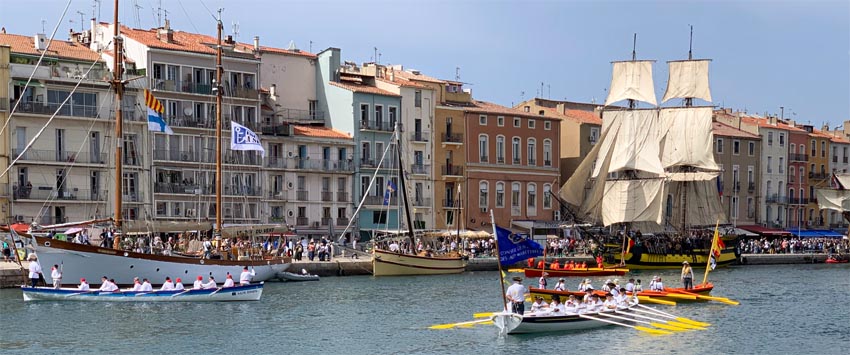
539, 305
84, 286
610, 304
178, 284
560, 285
571, 305
167, 285
614, 289
621, 298
107, 286
199, 283
599, 261
137, 285
657, 285
530, 263
556, 265
556, 308
596, 304
588, 295
568, 265
210, 284
245, 277
228, 282
605, 285
541, 264
583, 266
146, 286
630, 286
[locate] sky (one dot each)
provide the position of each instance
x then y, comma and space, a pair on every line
765, 54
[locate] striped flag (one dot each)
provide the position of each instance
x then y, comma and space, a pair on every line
155, 109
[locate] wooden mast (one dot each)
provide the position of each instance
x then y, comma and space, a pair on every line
218, 94
118, 86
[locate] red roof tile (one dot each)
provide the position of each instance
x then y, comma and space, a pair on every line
319, 132
363, 88
721, 129
182, 41
265, 49
420, 77
403, 82
58, 49
489, 107
578, 116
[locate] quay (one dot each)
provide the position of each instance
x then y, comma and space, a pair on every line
774, 259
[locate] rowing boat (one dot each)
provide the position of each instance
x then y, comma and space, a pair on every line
591, 271
251, 292
669, 294
512, 323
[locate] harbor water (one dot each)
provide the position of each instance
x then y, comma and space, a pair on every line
784, 309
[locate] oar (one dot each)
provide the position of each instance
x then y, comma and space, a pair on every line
673, 323
178, 294
641, 328
483, 315
711, 298
79, 293
452, 325
470, 325
655, 300
216, 291
668, 315
654, 324
670, 294
516, 270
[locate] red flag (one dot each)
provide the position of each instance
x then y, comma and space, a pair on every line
718, 246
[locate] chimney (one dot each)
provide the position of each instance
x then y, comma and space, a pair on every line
165, 34
772, 120
3, 30
562, 108
256, 43
229, 39
392, 74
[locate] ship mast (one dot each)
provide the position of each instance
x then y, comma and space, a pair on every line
218, 93
118, 87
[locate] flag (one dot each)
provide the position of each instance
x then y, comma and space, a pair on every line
630, 245
389, 192
514, 248
712, 262
717, 243
155, 109
243, 138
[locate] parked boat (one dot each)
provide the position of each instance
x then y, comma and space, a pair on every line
637, 258
251, 292
834, 260
387, 263
293, 277
591, 271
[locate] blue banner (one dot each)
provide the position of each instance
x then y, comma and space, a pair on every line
389, 192
243, 138
514, 248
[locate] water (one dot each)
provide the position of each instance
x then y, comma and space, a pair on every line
784, 309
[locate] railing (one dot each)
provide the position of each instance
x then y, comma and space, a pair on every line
327, 196
452, 203
517, 161
47, 192
532, 161
547, 163
792, 179
207, 156
302, 221
777, 199
844, 160
73, 110
818, 175
751, 186
389, 163
302, 195
834, 159
206, 189
279, 194
422, 202
379, 200
452, 138
243, 92
384, 126
132, 197
341, 196
48, 220
798, 157
736, 186
191, 122
420, 169
769, 170
420, 136
516, 210
500, 160
310, 164
326, 221
451, 170
293, 114
483, 159
61, 156
342, 221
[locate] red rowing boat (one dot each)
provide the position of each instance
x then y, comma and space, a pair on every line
590, 271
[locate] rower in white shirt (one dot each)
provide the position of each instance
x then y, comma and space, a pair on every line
556, 308
137, 285
630, 286
539, 305
245, 277
560, 285
210, 284
84, 286
199, 283
179, 284
610, 304
167, 285
107, 286
572, 304
146, 286
56, 275
228, 282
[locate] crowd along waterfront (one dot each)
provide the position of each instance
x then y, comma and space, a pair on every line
784, 309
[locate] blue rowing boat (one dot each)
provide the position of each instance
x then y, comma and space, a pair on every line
251, 292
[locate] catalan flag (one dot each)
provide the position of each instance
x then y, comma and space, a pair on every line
155, 109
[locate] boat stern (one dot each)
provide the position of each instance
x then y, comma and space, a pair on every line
506, 321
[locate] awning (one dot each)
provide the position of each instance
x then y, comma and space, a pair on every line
804, 233
825, 233
33, 83
764, 231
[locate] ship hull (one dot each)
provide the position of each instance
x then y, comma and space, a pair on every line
84, 261
387, 263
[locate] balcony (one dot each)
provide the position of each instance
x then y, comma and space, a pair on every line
301, 116
69, 109
310, 164
451, 203
451, 170
547, 163
500, 160
516, 210
751, 186
517, 161
798, 201
342, 221
190, 122
483, 159
326, 221
736, 186
793, 157
4, 104
44, 193
420, 137
389, 163
302, 221
420, 169
132, 197
775, 198
61, 156
302, 195
279, 194
532, 161
455, 138
181, 188
379, 200
242, 92
422, 202
819, 176
48, 220
341, 196
381, 126
327, 196
792, 179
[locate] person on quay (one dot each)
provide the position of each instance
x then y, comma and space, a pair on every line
245, 277
539, 305
630, 286
137, 285
210, 283
228, 282
178, 285
56, 275
542, 282
146, 286
687, 275
84, 286
167, 285
199, 283
516, 296
560, 286
556, 308
35, 269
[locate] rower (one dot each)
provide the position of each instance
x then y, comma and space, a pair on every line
583, 266
84, 286
556, 307
569, 265
614, 289
539, 305
605, 285
167, 285
630, 286
588, 294
146, 286
178, 285
599, 261
541, 264
621, 297
199, 283
571, 305
137, 286
652, 283
245, 277
555, 265
56, 275
560, 285
210, 284
638, 287
530, 263
595, 304
610, 304
228, 282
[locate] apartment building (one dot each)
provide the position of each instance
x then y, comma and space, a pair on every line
798, 180
5, 206
738, 152
819, 174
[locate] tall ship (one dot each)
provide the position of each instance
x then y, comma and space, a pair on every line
92, 262
651, 158
836, 198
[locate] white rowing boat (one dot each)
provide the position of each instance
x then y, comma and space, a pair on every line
251, 292
291, 276
512, 323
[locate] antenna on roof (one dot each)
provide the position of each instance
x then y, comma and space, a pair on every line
235, 29
375, 56
159, 14
291, 46
95, 9
81, 19
43, 21
311, 46
457, 73
136, 18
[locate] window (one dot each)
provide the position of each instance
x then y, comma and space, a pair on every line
417, 98
532, 151
482, 120
515, 150
531, 124
532, 195
594, 135
769, 165
482, 194
364, 115
719, 145
482, 148
823, 149
781, 139
500, 121
547, 125
500, 149
547, 196
500, 194
769, 138
379, 116
781, 165
733, 210
814, 148
736, 147
515, 197
547, 152
379, 217
802, 149
517, 123
393, 117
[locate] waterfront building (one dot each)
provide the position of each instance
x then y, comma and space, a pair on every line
5, 206
798, 179
839, 164
738, 152
819, 175
356, 106
65, 174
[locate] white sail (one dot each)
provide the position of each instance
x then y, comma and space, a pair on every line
688, 79
838, 200
843, 180
700, 203
687, 138
692, 176
633, 201
634, 141
632, 80
573, 191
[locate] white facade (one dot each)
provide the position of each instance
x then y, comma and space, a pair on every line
291, 81
773, 175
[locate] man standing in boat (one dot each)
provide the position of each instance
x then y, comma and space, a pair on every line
687, 276
516, 296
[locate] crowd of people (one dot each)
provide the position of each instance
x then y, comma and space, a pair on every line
615, 297
794, 246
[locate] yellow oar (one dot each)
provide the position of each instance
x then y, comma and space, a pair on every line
651, 310
452, 325
712, 298
653, 300
685, 325
673, 323
676, 295
470, 325
483, 315
643, 329
516, 270
654, 324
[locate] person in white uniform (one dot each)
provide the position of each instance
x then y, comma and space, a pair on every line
178, 285
539, 305
228, 282
56, 275
245, 277
35, 270
516, 296
137, 285
610, 304
84, 286
210, 284
199, 283
556, 308
146, 286
560, 286
167, 285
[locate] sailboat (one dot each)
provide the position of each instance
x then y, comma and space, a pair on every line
393, 263
92, 262
837, 198
648, 155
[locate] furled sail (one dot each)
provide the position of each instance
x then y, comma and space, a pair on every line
688, 79
573, 191
632, 80
687, 138
702, 207
838, 200
634, 141
639, 200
